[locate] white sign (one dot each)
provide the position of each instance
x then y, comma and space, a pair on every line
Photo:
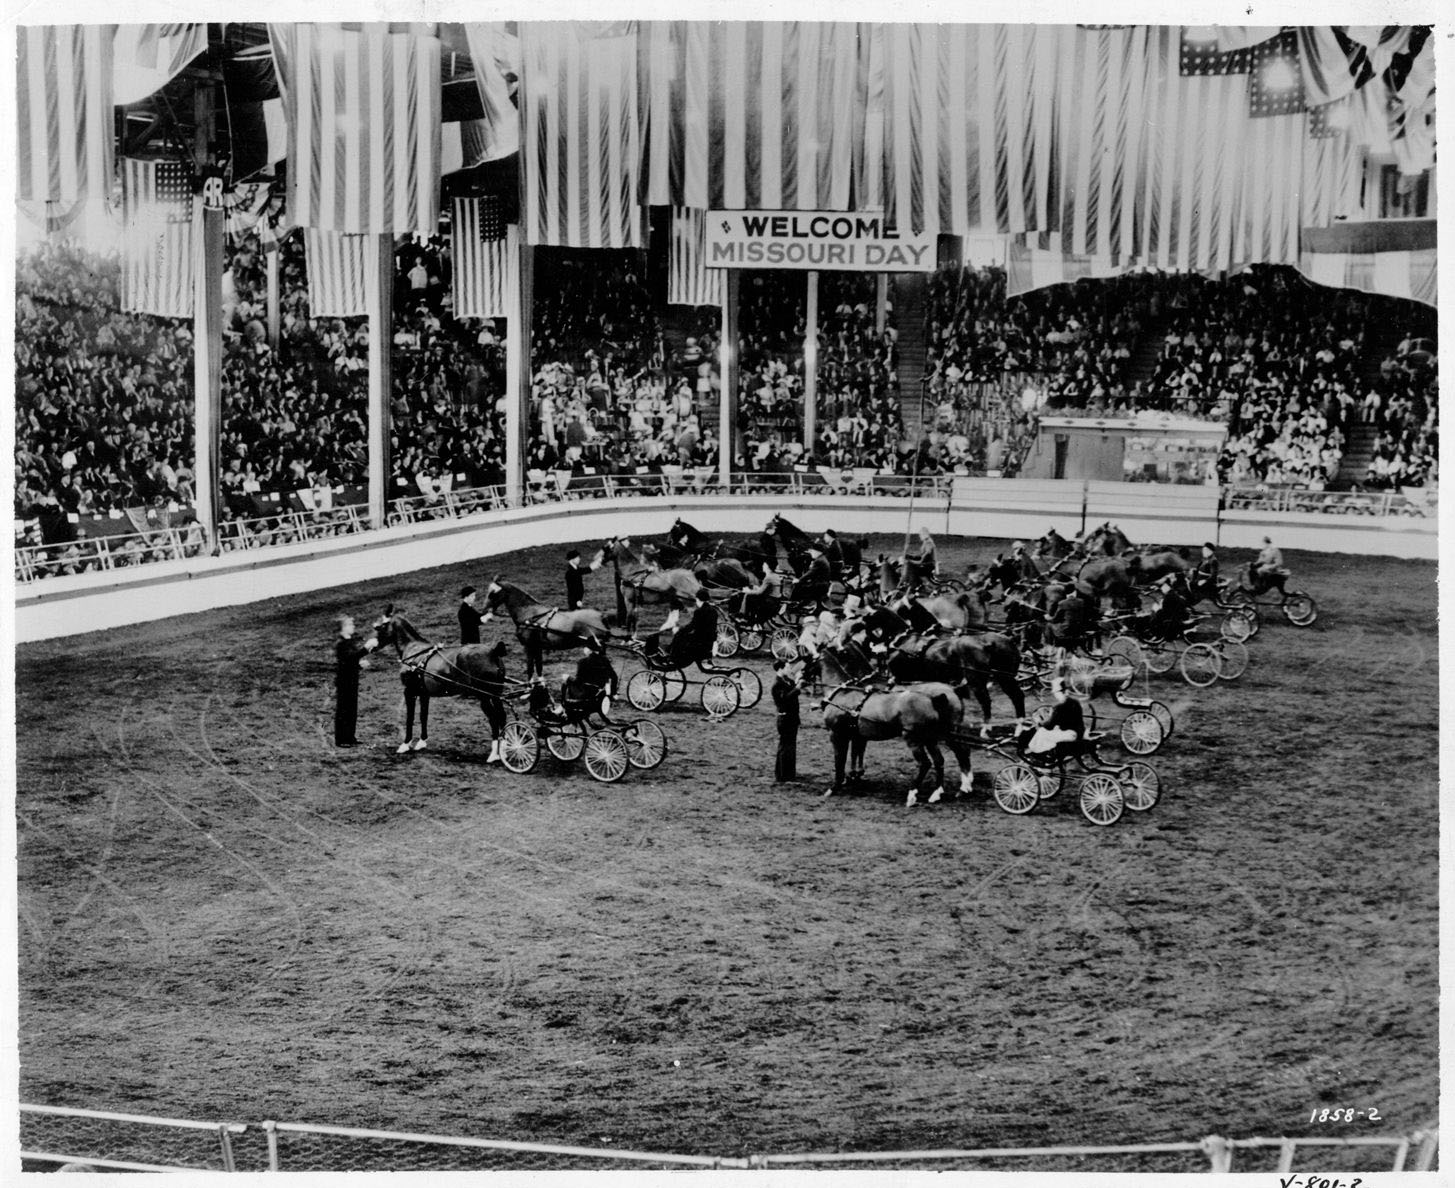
829, 240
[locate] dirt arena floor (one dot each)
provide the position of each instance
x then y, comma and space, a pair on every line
221, 916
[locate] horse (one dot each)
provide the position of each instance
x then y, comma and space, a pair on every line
925, 715
1154, 565
652, 585
1053, 545
965, 661
762, 551
429, 670
796, 543
543, 628
1111, 578
1105, 540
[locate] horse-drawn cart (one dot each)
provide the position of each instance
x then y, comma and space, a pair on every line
568, 733
722, 692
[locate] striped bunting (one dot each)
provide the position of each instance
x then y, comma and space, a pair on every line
582, 152
762, 115
157, 264
491, 53
1411, 275
485, 256
64, 148
147, 57
363, 114
335, 267
689, 280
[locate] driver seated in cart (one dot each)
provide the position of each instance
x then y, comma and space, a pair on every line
692, 643
1173, 615
1061, 735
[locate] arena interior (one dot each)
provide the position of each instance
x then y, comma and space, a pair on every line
813, 378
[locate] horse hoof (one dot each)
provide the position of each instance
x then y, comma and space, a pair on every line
420, 744
911, 798
402, 749
936, 794
827, 793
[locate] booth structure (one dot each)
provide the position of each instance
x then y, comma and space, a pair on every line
1145, 447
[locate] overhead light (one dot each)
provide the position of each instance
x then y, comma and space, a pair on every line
1278, 75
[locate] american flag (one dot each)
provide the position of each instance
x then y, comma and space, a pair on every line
1275, 83
689, 280
581, 184
485, 260
64, 113
157, 270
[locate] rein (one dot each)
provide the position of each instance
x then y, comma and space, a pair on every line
417, 664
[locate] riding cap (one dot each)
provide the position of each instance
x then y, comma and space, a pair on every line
467, 591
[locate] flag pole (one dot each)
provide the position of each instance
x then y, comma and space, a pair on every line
274, 313
517, 365
379, 295
207, 357
810, 363
728, 369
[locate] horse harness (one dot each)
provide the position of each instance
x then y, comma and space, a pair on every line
416, 665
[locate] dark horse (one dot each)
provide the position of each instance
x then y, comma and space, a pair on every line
796, 541
964, 662
925, 715
650, 584
543, 628
428, 670
754, 552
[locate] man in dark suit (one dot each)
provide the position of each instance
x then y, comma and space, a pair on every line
350, 655
785, 693
470, 617
576, 578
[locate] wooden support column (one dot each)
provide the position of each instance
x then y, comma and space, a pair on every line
207, 365
275, 315
379, 293
810, 363
727, 420
881, 301
517, 369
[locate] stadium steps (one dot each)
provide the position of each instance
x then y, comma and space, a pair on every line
1358, 452
911, 309
1147, 351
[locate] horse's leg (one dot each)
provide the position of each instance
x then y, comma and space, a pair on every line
962, 757
841, 753
922, 758
493, 713
939, 760
423, 740
859, 745
1012, 689
981, 687
408, 721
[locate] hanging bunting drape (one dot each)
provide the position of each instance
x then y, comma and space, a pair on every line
64, 145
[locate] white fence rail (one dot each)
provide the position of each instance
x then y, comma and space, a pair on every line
130, 1142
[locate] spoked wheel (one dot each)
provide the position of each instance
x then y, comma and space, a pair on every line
1239, 624
1128, 649
1232, 659
1254, 617
520, 747
784, 644
1235, 595
727, 640
1299, 609
1159, 657
606, 756
1141, 786
720, 697
1016, 789
646, 690
1101, 799
1049, 780
1163, 715
646, 745
750, 639
1080, 675
1200, 665
1141, 732
674, 684
750, 687
566, 742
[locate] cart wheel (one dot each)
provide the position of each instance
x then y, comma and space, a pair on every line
1232, 659
520, 747
720, 697
1101, 799
646, 745
1127, 648
1141, 786
1163, 715
606, 756
1238, 624
674, 684
1254, 617
785, 644
1080, 676
1235, 595
1159, 657
1299, 609
750, 639
1016, 789
1141, 732
646, 690
565, 742
1200, 665
750, 688
727, 640
1049, 780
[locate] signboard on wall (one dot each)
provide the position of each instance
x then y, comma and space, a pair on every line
824, 240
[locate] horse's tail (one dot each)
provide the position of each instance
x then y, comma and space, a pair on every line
946, 710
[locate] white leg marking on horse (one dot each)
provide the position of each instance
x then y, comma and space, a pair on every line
402, 749
420, 744
967, 781
912, 797
494, 752
936, 794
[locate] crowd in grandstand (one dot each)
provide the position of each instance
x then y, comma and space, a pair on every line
104, 414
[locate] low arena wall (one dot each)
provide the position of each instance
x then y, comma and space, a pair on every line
1003, 509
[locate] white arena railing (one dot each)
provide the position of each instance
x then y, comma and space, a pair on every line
118, 551
128, 1142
